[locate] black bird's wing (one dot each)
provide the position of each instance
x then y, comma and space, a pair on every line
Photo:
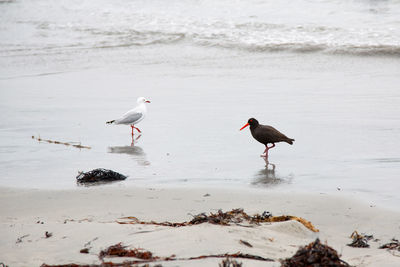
267, 134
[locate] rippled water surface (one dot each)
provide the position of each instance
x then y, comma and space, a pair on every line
326, 73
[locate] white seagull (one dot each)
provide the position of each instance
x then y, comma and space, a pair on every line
133, 116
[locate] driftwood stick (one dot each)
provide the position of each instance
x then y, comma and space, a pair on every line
77, 145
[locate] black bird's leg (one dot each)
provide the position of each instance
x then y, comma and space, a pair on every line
266, 150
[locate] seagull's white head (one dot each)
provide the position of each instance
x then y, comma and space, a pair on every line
141, 100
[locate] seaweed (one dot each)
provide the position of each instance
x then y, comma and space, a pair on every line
245, 243
393, 245
235, 216
315, 254
119, 250
99, 175
84, 251
360, 240
229, 263
48, 234
234, 255
144, 256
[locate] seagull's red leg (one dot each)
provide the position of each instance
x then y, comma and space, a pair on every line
133, 127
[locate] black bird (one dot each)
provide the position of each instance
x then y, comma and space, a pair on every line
266, 134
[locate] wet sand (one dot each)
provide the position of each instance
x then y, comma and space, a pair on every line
342, 111
86, 218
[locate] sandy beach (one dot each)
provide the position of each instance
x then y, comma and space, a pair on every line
87, 218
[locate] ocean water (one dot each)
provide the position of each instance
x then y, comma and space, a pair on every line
326, 73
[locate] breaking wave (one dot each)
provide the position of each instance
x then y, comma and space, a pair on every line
369, 29
252, 37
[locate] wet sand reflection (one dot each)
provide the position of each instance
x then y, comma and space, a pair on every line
268, 176
136, 152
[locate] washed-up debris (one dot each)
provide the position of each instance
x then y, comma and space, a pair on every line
99, 176
360, 241
228, 262
315, 254
245, 243
48, 234
393, 245
144, 256
19, 239
87, 246
74, 144
119, 250
3, 265
234, 216
84, 251
235, 255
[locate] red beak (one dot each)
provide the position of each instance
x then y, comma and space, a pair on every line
244, 126
147, 101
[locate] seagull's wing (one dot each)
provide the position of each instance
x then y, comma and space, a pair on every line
131, 117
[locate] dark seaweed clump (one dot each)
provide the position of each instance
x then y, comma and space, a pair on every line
315, 254
97, 176
360, 240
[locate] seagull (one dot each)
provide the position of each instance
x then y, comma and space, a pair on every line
266, 134
133, 116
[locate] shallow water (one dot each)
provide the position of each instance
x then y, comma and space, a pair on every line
343, 113
64, 82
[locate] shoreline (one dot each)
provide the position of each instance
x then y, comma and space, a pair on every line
79, 217
366, 198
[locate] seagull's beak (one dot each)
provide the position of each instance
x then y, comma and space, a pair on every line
244, 126
147, 101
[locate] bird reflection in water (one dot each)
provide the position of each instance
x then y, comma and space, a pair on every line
267, 176
136, 152
135, 139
